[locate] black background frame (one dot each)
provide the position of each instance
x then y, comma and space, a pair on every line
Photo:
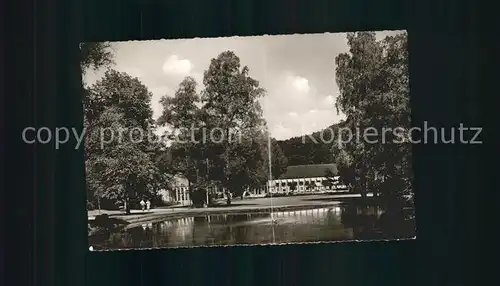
44, 208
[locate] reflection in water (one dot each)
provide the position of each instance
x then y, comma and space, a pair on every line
321, 224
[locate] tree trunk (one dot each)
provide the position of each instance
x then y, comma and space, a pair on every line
197, 174
99, 204
127, 205
362, 190
228, 197
226, 163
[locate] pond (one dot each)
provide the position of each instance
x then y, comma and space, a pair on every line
336, 223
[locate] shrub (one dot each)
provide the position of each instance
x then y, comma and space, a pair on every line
199, 196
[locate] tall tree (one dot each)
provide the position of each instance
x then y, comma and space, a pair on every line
374, 93
125, 167
120, 90
121, 170
181, 111
235, 157
181, 115
230, 101
95, 56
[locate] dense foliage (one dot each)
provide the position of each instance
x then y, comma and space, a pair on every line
374, 94
234, 158
126, 166
309, 148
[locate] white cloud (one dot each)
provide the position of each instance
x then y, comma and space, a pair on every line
329, 99
176, 66
293, 112
279, 131
300, 93
314, 121
300, 84
198, 77
303, 123
134, 72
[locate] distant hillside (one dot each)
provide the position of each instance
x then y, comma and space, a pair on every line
303, 150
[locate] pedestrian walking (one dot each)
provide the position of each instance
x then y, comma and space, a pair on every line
148, 205
143, 205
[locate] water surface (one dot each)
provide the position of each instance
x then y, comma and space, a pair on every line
338, 223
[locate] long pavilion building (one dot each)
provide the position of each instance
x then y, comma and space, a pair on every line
307, 178
297, 179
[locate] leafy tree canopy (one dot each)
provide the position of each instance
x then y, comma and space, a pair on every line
95, 56
374, 93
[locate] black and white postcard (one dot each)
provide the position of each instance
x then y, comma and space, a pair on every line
275, 139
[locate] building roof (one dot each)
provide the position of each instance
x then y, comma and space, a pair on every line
308, 171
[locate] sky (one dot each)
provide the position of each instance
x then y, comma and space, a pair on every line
297, 72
